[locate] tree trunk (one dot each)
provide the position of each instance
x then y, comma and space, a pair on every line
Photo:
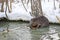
2, 7
40, 8
54, 5
6, 9
59, 5
10, 6
36, 8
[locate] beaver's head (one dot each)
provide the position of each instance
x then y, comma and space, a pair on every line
34, 25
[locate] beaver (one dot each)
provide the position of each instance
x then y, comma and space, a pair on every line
38, 22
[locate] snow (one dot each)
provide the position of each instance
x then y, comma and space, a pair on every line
50, 12
19, 12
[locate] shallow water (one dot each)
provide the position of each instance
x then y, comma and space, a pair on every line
20, 31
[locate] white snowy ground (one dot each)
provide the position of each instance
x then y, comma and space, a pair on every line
50, 12
18, 11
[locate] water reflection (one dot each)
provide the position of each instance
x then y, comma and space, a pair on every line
52, 34
20, 31
17, 31
37, 34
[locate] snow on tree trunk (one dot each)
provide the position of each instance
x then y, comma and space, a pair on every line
36, 8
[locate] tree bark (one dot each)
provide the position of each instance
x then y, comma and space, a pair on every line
10, 6
6, 9
2, 7
36, 8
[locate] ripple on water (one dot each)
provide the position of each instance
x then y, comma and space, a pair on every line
19, 31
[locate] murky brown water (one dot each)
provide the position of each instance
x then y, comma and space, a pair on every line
20, 31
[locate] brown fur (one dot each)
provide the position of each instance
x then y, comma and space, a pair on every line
39, 22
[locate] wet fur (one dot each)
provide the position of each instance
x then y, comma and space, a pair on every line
38, 22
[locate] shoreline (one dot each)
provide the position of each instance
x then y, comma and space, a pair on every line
7, 20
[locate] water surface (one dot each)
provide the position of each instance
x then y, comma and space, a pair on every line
20, 31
